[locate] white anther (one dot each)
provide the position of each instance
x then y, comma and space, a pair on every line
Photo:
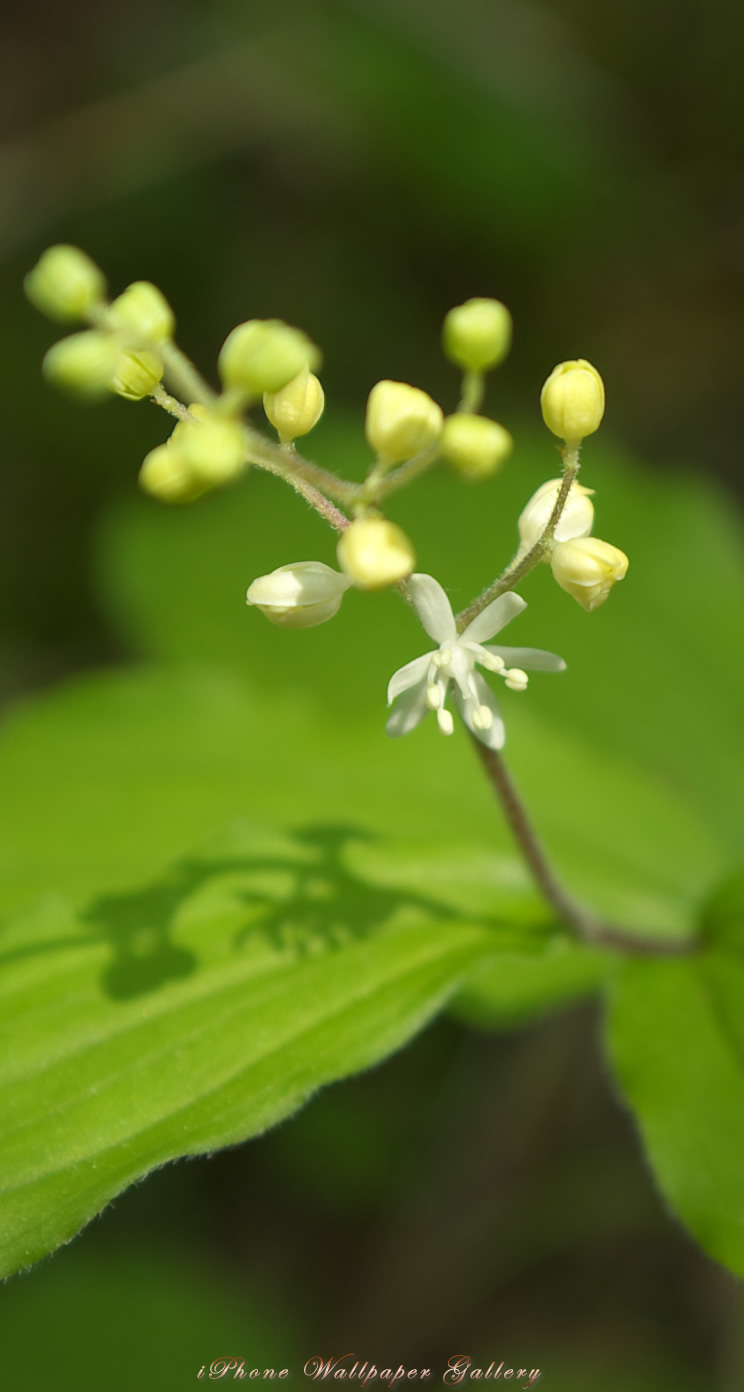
433, 696
445, 722
516, 679
443, 657
491, 661
482, 718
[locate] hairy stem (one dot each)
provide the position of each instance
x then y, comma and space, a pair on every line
312, 495
287, 463
183, 376
586, 925
405, 474
273, 458
523, 563
171, 404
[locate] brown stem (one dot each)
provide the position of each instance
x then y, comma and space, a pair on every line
586, 926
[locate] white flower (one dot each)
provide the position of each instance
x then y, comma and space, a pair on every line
423, 684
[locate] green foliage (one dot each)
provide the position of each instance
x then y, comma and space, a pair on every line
676, 1034
220, 895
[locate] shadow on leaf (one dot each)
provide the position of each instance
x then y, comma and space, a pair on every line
301, 904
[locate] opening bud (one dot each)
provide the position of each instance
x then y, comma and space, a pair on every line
213, 449
573, 400
263, 355
577, 518
165, 475
295, 409
65, 284
300, 595
477, 334
587, 568
142, 312
137, 375
401, 421
374, 553
84, 363
475, 445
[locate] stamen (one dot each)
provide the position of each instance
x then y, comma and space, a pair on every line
442, 658
433, 696
482, 718
445, 721
491, 661
516, 679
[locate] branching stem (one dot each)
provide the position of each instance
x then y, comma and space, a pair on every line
183, 376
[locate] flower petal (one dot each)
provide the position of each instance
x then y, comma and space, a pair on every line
301, 583
495, 736
494, 617
407, 676
433, 608
409, 712
531, 659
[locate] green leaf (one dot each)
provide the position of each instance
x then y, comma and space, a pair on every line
197, 1010
676, 1035
179, 972
515, 987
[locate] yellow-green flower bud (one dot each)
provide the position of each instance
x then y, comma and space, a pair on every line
401, 421
214, 449
375, 553
295, 409
587, 568
475, 445
142, 313
84, 363
573, 401
477, 334
263, 355
166, 475
200, 413
300, 595
137, 375
576, 520
65, 284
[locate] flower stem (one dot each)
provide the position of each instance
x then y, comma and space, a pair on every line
523, 563
473, 389
312, 495
171, 404
405, 474
284, 461
585, 925
273, 458
183, 376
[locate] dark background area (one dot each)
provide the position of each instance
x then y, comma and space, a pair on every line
356, 167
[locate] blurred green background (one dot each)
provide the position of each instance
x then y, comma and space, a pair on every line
356, 167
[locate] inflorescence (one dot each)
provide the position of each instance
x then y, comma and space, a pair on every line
128, 348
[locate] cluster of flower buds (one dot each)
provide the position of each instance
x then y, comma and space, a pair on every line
119, 352
126, 351
127, 347
573, 401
